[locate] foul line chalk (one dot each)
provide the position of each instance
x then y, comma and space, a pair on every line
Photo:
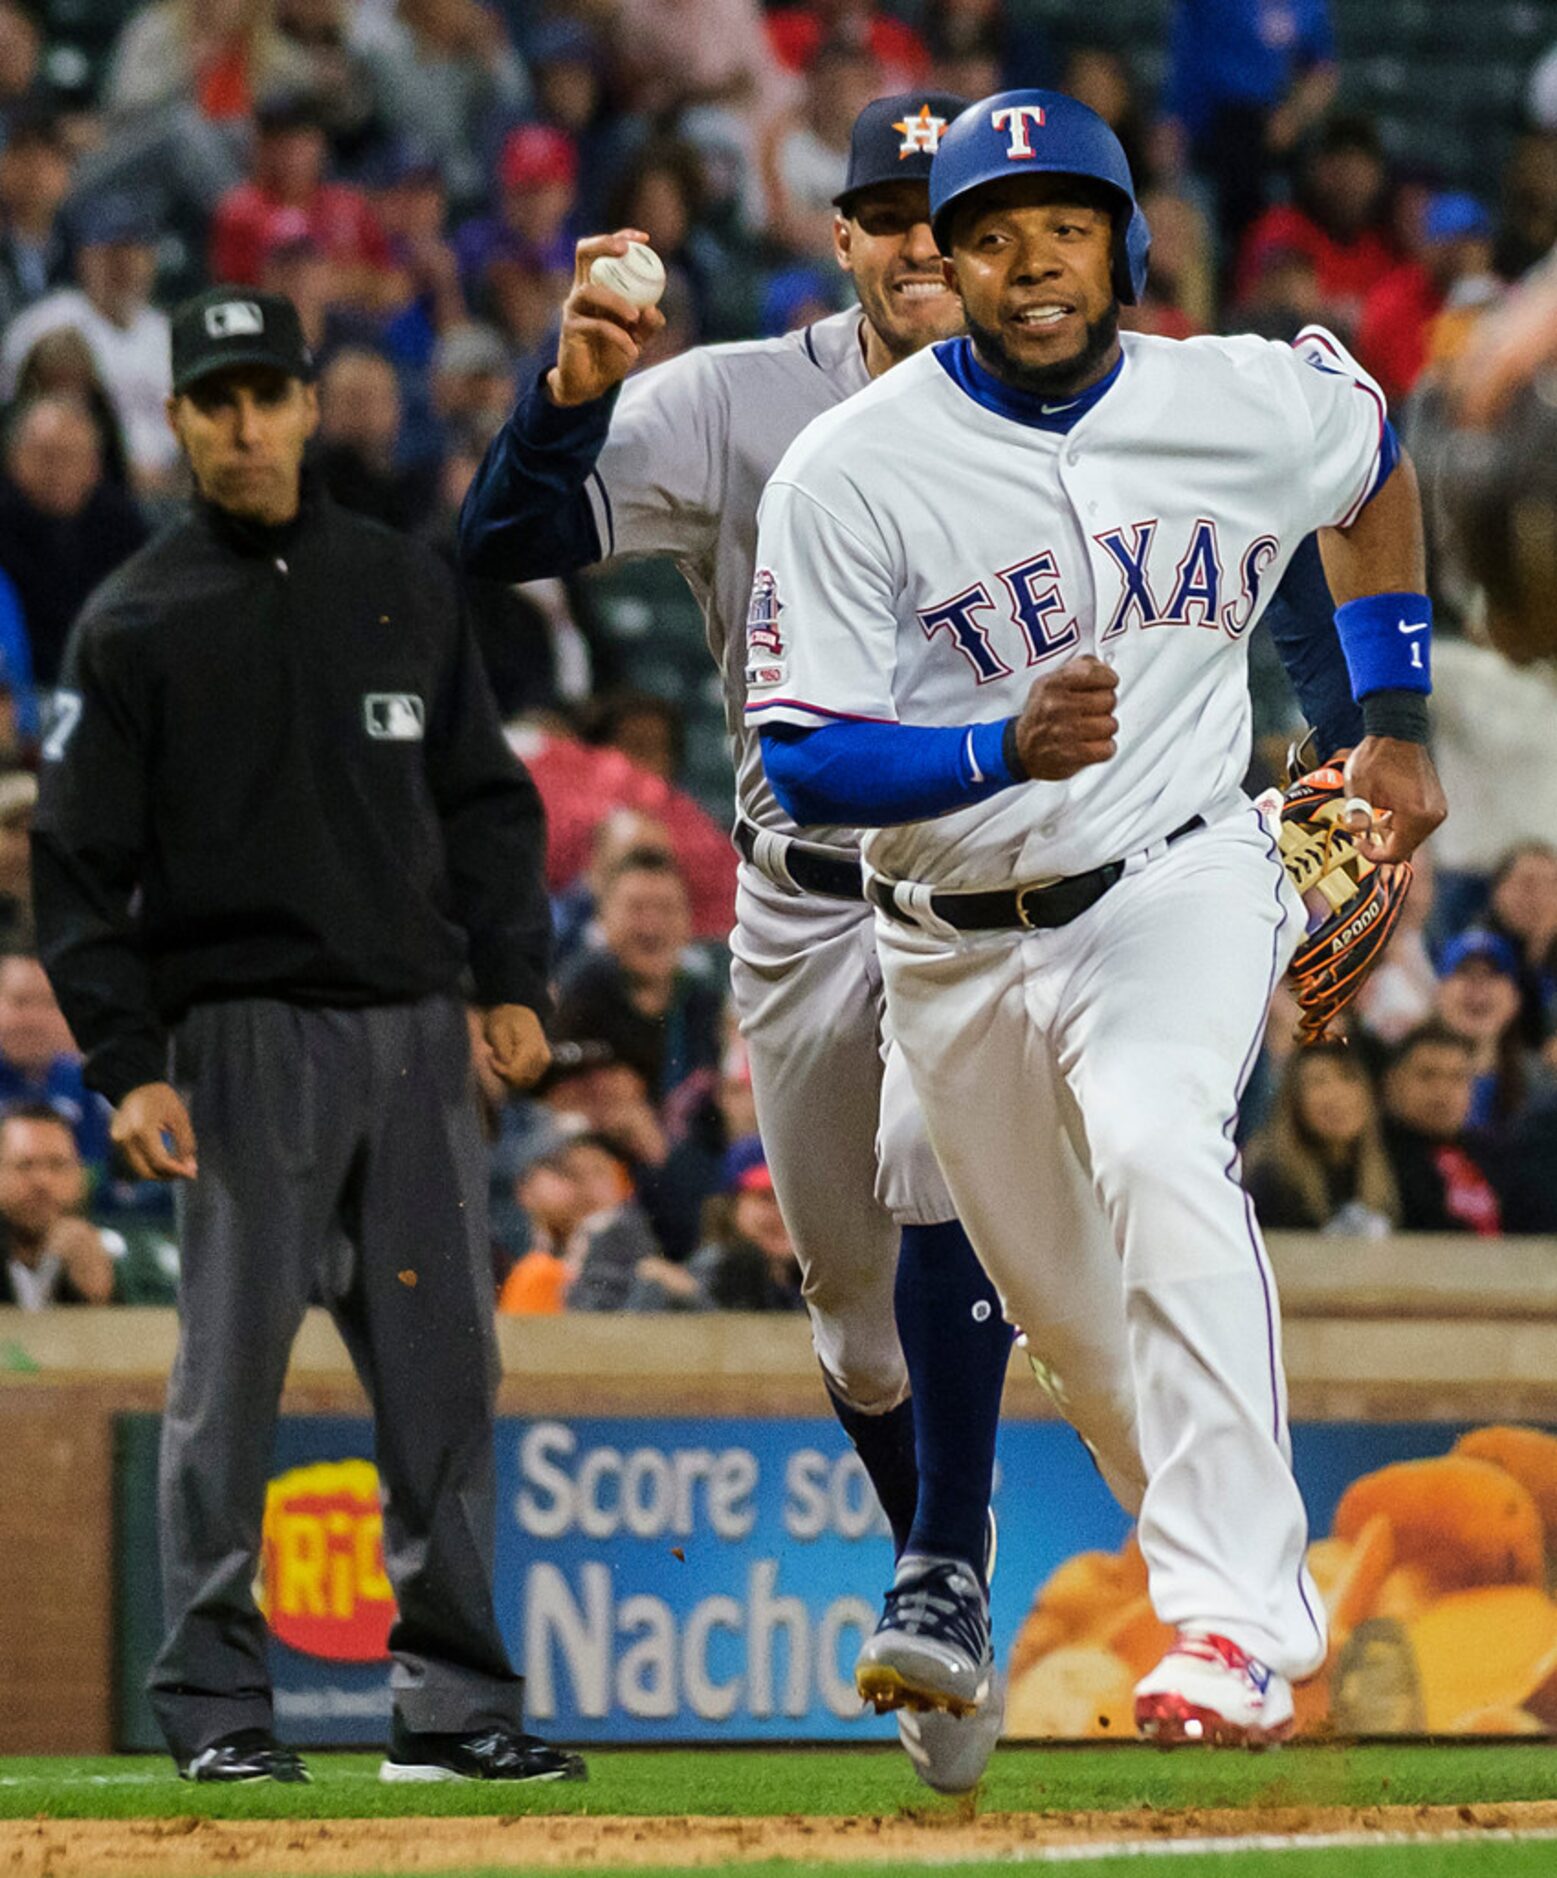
1094, 1853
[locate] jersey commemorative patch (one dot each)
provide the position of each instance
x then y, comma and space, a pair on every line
765, 666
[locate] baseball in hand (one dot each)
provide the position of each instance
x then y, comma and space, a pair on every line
638, 275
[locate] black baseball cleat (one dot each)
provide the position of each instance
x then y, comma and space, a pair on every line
251, 1754
483, 1754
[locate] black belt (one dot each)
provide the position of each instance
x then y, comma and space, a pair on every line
1055, 903
812, 870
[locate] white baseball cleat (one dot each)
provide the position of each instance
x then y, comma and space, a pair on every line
1209, 1691
950, 1752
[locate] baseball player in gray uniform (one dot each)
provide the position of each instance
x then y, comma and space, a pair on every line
673, 463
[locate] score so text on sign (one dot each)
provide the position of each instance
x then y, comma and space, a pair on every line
682, 1582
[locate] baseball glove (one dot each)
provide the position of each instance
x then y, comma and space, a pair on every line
1353, 903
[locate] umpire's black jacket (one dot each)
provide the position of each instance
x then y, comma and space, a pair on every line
276, 770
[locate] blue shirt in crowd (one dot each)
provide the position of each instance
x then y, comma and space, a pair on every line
63, 1088
1241, 52
16, 658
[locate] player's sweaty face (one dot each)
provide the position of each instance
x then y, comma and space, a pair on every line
885, 243
244, 431
1032, 260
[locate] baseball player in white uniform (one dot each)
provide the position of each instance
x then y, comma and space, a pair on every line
1005, 597
673, 464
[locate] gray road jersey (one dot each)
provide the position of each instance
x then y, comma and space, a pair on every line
691, 447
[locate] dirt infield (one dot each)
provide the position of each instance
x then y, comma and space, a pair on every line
197, 1848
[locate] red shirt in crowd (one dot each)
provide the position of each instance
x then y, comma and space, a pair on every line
580, 784
1468, 1196
249, 226
1346, 271
796, 35
1392, 333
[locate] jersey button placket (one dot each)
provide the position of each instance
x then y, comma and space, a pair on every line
1082, 504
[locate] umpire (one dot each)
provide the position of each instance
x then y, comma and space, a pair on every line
278, 823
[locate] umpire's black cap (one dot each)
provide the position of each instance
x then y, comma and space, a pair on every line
895, 140
227, 326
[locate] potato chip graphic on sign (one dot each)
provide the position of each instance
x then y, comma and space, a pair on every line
322, 1585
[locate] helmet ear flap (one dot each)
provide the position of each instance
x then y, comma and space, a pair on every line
1132, 251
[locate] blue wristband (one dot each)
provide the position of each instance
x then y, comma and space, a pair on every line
988, 748
1387, 639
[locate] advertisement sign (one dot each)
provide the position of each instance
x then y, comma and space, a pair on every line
681, 1580
672, 1580
320, 1582
1433, 1548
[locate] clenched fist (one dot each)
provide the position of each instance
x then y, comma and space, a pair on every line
1068, 721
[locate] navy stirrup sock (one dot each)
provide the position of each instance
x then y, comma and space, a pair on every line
956, 1345
885, 1445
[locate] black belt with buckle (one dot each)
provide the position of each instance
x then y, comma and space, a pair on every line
1056, 903
812, 870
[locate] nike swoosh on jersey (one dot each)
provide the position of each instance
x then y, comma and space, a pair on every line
1422, 628
1053, 410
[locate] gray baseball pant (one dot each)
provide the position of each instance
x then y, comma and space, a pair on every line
341, 1162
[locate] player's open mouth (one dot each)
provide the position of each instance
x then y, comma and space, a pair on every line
920, 289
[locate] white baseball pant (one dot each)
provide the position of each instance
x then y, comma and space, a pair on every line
1119, 1045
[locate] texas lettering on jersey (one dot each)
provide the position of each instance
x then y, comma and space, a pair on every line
1149, 533
1032, 599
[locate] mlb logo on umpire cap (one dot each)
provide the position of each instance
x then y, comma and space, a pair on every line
394, 716
226, 327
233, 319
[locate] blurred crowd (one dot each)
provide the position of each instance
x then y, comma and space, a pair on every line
414, 173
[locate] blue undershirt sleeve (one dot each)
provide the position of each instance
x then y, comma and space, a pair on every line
527, 514
875, 775
1301, 618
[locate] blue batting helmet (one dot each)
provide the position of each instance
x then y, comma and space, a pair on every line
1022, 132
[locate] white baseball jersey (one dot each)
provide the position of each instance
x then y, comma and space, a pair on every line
691, 445
923, 558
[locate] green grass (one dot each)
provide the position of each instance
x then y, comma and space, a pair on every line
744, 1782
1401, 1861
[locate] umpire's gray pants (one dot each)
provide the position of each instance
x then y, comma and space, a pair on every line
340, 1158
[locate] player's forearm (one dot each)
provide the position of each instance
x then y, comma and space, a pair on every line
527, 515
861, 775
1377, 570
1383, 551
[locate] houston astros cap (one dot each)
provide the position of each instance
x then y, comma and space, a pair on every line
895, 139
237, 326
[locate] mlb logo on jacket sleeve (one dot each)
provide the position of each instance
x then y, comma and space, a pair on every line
394, 716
